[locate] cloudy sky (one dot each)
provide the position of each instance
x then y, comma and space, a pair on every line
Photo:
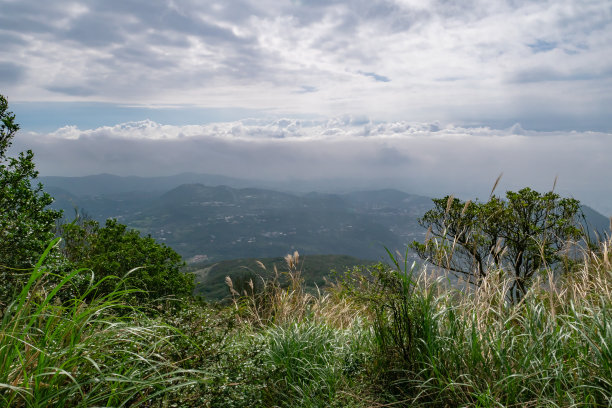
426, 95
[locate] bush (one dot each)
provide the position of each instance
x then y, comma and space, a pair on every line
115, 250
522, 234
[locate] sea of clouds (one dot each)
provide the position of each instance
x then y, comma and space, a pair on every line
425, 158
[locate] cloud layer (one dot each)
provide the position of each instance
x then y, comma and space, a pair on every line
353, 151
443, 81
544, 63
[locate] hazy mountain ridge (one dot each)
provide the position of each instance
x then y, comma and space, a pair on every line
598, 225
222, 223
213, 223
104, 184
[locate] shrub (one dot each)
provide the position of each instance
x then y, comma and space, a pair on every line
116, 250
521, 234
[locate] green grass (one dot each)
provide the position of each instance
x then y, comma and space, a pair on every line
381, 336
312, 362
67, 352
439, 348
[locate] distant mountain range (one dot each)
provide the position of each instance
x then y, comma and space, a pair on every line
213, 218
109, 184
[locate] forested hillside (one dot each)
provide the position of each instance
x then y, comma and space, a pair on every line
318, 271
220, 222
203, 222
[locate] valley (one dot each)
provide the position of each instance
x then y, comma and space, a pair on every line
213, 223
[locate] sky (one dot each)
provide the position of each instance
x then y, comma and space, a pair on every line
432, 96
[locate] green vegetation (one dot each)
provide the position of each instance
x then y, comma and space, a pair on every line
115, 250
520, 235
26, 226
386, 337
316, 271
383, 335
65, 353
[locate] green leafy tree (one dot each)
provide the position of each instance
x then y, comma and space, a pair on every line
116, 250
26, 224
521, 234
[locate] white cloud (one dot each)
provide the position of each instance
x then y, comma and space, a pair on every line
415, 66
425, 158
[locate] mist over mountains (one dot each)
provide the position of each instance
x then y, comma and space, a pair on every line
347, 153
211, 218
221, 222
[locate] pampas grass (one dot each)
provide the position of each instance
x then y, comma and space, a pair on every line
553, 348
385, 335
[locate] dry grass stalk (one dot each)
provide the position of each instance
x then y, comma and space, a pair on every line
496, 183
283, 298
590, 284
465, 207
451, 198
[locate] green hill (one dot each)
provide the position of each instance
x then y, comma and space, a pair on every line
220, 222
215, 223
210, 277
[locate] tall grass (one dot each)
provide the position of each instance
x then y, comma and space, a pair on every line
388, 335
393, 335
309, 361
283, 299
67, 352
445, 348
315, 346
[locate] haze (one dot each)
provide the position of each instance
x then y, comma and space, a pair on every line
432, 97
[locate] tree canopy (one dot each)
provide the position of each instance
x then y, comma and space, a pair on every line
27, 226
26, 223
116, 250
520, 234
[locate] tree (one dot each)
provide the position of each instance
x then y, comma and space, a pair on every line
520, 235
26, 224
115, 250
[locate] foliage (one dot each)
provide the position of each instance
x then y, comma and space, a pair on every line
115, 250
312, 345
411, 342
310, 363
522, 234
438, 346
8, 127
393, 304
210, 276
26, 225
232, 357
277, 300
552, 349
78, 352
